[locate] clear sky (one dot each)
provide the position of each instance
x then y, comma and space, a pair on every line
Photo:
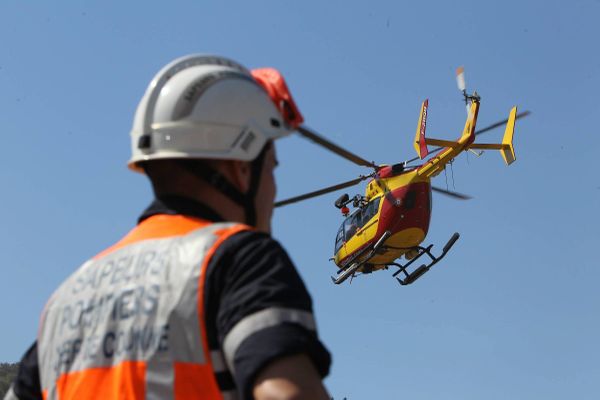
513, 310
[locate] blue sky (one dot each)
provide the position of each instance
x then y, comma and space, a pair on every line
512, 312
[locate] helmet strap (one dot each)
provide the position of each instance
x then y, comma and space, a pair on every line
255, 172
215, 179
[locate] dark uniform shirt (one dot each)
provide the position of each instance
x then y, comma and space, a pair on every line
249, 272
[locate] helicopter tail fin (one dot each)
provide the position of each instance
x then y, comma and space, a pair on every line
506, 148
420, 143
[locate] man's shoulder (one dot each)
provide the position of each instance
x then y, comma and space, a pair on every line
249, 238
254, 261
251, 250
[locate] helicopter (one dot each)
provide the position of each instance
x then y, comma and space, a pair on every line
391, 220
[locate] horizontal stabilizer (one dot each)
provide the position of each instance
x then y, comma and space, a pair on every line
440, 142
506, 148
508, 151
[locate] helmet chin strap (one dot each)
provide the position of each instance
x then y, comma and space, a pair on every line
214, 178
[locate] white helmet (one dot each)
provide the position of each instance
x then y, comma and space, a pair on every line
210, 107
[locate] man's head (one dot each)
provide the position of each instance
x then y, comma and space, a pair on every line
206, 126
172, 177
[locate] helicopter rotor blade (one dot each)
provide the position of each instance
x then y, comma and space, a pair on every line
522, 114
460, 79
323, 191
450, 193
462, 86
321, 141
498, 124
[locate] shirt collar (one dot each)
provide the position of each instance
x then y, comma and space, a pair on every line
177, 205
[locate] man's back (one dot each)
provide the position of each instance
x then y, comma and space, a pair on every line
177, 307
133, 315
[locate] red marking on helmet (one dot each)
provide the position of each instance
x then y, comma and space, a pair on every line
274, 84
345, 210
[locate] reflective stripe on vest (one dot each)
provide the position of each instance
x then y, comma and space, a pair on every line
129, 324
10, 395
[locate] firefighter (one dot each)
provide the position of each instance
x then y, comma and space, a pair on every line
198, 300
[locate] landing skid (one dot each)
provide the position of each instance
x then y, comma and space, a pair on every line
347, 272
420, 271
409, 277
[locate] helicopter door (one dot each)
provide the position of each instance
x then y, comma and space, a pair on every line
369, 220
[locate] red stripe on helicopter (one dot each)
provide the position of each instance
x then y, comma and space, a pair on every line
414, 211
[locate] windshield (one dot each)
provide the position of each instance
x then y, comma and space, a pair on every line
357, 220
369, 211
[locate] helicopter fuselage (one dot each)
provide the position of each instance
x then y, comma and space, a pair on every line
398, 202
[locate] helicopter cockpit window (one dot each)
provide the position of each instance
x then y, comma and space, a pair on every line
369, 211
339, 239
356, 221
351, 225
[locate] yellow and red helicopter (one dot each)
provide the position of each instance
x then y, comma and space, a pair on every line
392, 219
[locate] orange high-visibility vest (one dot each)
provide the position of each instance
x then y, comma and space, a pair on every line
129, 323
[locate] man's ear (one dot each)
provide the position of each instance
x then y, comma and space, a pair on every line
240, 172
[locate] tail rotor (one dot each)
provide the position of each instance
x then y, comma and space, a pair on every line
460, 82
